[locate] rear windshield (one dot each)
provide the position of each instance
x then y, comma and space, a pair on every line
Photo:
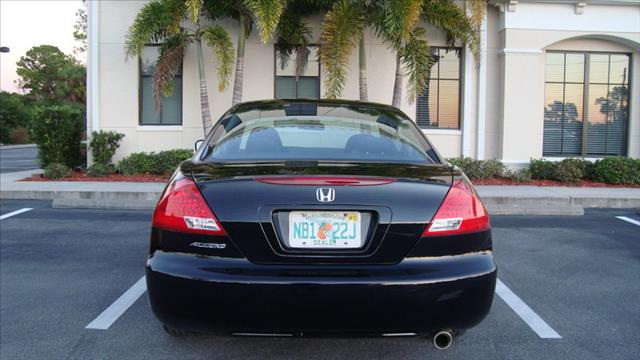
318, 133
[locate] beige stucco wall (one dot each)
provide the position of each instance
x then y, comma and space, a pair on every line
522, 66
119, 80
516, 43
492, 133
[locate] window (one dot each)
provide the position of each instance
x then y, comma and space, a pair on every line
170, 112
290, 86
591, 86
318, 132
439, 105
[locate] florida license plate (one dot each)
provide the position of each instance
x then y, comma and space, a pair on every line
325, 229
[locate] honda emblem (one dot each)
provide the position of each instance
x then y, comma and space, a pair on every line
325, 194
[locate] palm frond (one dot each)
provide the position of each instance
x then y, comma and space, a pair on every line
341, 30
193, 9
449, 17
478, 10
417, 61
218, 39
309, 7
220, 9
266, 14
398, 20
292, 38
169, 62
177, 12
151, 24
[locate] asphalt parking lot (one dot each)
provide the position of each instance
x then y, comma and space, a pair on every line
18, 159
571, 291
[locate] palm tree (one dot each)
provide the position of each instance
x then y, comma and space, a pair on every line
293, 35
175, 24
477, 12
342, 28
263, 13
396, 23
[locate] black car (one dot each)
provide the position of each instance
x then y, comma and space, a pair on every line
303, 217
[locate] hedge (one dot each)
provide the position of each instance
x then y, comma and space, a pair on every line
162, 163
610, 170
57, 130
617, 170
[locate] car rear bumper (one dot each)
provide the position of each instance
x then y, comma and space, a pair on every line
418, 295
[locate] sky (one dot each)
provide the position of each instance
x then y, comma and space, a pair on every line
28, 23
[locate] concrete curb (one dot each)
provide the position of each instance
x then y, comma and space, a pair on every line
20, 146
531, 200
106, 200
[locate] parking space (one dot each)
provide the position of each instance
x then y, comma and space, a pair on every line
60, 269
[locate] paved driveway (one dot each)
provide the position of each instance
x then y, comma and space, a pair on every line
570, 291
18, 159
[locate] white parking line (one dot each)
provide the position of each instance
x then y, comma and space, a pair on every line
113, 312
532, 319
629, 220
14, 213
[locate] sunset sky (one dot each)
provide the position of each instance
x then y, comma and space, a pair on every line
28, 23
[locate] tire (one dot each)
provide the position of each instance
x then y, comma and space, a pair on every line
175, 332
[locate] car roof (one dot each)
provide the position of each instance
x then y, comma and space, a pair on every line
300, 104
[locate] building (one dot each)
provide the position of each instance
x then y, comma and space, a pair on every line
556, 79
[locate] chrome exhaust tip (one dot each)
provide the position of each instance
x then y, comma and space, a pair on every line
443, 340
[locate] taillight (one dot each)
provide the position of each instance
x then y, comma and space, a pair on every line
461, 212
182, 208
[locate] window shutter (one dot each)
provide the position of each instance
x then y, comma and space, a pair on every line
308, 87
285, 88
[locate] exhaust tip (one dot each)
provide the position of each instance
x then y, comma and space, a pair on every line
443, 340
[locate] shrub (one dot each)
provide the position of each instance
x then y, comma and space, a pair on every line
542, 169
19, 135
520, 175
138, 163
100, 170
569, 170
162, 163
168, 161
13, 114
479, 169
492, 168
472, 168
56, 171
617, 170
104, 145
57, 130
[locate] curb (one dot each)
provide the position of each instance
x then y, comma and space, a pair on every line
123, 200
496, 205
106, 200
20, 146
498, 201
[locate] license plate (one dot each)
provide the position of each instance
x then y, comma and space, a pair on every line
325, 229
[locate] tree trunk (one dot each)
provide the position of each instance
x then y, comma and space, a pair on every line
237, 81
397, 85
362, 56
204, 94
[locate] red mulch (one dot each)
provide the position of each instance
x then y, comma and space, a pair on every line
81, 176
579, 183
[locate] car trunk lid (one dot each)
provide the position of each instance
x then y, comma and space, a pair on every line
253, 202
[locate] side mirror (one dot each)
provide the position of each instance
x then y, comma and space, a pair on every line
198, 143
